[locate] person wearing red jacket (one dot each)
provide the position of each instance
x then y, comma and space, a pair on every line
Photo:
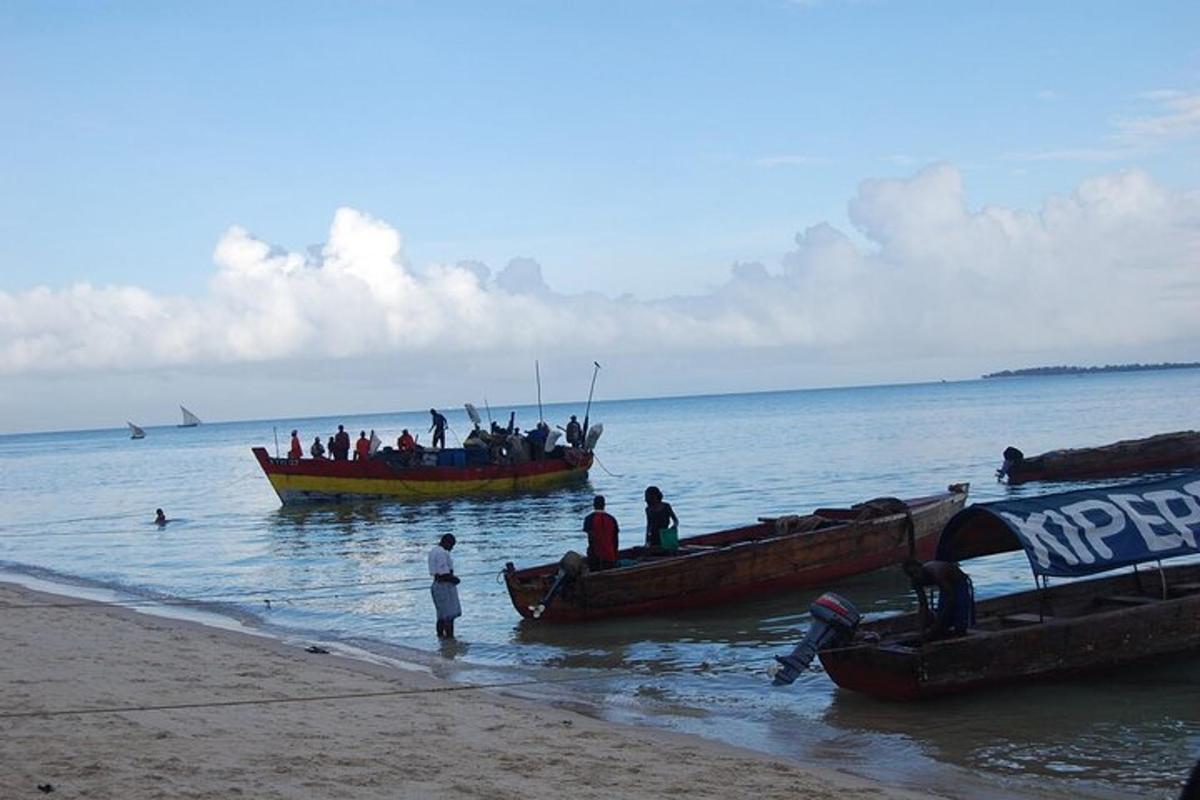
296, 451
362, 448
602, 529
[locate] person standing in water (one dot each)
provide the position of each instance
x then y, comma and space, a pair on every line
160, 519
445, 586
659, 516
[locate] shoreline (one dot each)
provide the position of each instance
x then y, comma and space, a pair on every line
102, 700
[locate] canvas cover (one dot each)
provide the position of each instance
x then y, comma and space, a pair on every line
1086, 531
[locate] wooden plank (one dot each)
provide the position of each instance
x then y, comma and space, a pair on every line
1027, 618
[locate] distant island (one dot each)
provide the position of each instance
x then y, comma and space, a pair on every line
1064, 370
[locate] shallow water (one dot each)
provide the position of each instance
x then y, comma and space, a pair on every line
81, 504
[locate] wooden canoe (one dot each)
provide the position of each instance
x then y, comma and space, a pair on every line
1069, 628
1165, 451
720, 567
307, 480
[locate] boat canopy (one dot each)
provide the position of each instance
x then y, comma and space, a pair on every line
1083, 532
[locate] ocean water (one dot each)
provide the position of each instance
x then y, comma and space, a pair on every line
78, 508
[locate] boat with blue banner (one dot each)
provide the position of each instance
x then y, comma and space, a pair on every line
1077, 625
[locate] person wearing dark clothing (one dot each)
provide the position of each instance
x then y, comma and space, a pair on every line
574, 433
955, 611
317, 450
659, 515
341, 442
601, 529
438, 428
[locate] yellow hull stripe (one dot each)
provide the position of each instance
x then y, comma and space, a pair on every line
290, 487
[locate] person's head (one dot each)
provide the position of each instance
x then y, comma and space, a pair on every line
340, 429
572, 418
362, 434
653, 494
433, 411
914, 569
598, 502
316, 440
447, 541
295, 433
404, 431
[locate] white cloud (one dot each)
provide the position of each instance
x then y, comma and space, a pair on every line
1176, 118
1116, 263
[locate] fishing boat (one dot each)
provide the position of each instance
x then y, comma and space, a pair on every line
1166, 451
190, 420
135, 432
431, 473
773, 554
1049, 631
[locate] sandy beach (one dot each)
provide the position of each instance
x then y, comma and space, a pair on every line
104, 702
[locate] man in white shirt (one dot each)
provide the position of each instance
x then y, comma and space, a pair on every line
445, 586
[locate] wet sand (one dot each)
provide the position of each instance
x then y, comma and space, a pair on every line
101, 701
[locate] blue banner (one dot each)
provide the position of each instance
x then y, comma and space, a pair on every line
1090, 530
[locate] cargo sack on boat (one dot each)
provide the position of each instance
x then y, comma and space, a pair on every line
794, 523
880, 507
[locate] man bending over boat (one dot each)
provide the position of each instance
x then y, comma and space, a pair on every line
955, 603
601, 529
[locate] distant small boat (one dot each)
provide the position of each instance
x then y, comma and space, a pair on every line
1162, 452
135, 432
190, 420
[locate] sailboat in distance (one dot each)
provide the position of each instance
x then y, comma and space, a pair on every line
134, 431
190, 420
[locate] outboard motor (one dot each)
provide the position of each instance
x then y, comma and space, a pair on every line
834, 622
570, 567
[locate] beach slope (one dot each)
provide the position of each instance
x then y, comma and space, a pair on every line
99, 701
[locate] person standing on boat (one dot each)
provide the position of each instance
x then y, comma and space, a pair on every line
601, 529
445, 586
317, 451
438, 428
341, 445
362, 448
955, 611
296, 451
574, 432
659, 517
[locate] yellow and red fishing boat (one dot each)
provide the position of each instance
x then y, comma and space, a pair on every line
433, 474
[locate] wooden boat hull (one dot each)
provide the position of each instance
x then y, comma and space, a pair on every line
731, 565
323, 480
1153, 454
1071, 628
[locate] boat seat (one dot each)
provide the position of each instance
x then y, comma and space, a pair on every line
1127, 599
1027, 618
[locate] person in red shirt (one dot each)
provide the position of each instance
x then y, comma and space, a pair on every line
342, 442
602, 529
406, 443
297, 450
362, 448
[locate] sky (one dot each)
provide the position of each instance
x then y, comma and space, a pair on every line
299, 208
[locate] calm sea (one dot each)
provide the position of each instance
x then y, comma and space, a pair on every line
78, 508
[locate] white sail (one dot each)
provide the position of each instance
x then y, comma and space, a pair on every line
190, 420
135, 432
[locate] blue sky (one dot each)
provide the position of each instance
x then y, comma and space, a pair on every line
639, 147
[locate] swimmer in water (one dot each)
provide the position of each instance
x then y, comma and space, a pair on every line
160, 518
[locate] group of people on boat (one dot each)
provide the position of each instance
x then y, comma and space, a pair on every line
602, 529
495, 445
